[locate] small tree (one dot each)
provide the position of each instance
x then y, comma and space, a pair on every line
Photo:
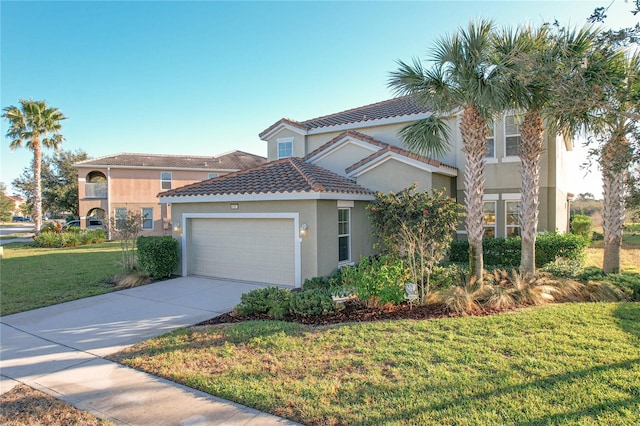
416, 226
127, 228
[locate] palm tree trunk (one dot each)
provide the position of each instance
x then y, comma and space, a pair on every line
532, 137
37, 178
474, 138
613, 180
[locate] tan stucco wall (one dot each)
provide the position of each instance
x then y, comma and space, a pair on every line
299, 148
347, 155
394, 175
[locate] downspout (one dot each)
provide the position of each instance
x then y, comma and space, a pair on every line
109, 203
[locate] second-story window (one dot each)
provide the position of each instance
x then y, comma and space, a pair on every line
285, 148
165, 180
512, 123
491, 142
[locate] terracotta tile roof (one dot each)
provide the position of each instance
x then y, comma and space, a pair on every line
234, 160
283, 176
398, 150
352, 134
396, 107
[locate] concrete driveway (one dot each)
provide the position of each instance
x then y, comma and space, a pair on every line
59, 349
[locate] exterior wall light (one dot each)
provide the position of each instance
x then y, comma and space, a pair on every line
303, 230
176, 226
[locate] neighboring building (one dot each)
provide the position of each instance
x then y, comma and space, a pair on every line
113, 184
303, 214
18, 204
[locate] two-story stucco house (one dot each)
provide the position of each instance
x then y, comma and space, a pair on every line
109, 186
303, 213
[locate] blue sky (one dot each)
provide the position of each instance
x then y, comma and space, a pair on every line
206, 77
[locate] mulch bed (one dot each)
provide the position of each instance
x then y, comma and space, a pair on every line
354, 311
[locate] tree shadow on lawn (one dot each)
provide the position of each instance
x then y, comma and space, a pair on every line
514, 393
628, 318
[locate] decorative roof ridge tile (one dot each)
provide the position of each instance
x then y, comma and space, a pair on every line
349, 133
315, 186
288, 121
400, 151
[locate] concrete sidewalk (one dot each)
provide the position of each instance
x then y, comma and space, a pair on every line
59, 350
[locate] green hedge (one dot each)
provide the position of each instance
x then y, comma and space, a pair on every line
158, 256
506, 251
70, 239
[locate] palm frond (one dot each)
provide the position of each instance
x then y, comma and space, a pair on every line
428, 137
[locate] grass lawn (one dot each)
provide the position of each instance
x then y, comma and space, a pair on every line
16, 235
35, 277
26, 406
629, 254
567, 363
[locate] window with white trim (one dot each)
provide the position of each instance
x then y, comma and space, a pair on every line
120, 213
285, 148
147, 218
512, 217
165, 180
212, 175
491, 142
512, 123
344, 235
489, 213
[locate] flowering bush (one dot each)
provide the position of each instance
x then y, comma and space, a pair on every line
415, 226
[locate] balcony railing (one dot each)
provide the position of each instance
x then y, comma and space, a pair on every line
95, 190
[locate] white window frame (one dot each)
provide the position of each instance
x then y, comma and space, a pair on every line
163, 180
512, 157
508, 200
491, 156
283, 142
347, 235
495, 221
144, 220
212, 175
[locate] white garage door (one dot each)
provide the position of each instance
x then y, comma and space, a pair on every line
259, 250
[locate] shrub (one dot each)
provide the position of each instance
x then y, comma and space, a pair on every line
582, 225
506, 251
159, 256
378, 280
70, 239
272, 301
316, 301
445, 276
563, 268
51, 227
316, 283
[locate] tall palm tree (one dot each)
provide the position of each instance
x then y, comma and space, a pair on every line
616, 157
538, 63
463, 79
34, 125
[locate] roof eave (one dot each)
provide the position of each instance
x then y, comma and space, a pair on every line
280, 196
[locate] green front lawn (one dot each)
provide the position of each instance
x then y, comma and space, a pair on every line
560, 364
35, 277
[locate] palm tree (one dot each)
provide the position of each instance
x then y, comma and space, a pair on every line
616, 157
538, 63
34, 125
543, 68
465, 80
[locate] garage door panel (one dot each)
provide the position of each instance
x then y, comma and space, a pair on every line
260, 250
